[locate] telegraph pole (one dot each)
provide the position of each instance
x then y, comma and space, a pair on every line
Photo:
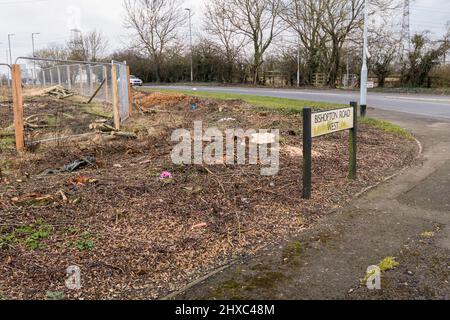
364, 70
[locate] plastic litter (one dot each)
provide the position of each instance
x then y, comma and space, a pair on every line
166, 175
227, 119
71, 167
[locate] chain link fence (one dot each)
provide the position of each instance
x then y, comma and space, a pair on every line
63, 100
123, 84
82, 79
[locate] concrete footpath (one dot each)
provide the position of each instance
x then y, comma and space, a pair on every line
407, 218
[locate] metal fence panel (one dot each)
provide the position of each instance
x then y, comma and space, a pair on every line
122, 81
86, 79
66, 120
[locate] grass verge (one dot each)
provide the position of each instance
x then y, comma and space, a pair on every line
387, 126
263, 102
286, 106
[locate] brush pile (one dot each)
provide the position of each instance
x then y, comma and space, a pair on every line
58, 92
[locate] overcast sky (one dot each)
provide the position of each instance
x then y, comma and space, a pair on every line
54, 19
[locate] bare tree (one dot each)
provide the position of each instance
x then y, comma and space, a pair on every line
344, 18
91, 47
226, 34
384, 49
155, 25
259, 21
325, 26
385, 45
446, 43
96, 45
340, 18
53, 51
304, 17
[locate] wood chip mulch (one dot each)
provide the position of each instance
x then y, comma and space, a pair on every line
135, 237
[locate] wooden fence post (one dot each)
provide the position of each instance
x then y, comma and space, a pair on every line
307, 153
353, 143
18, 107
130, 97
115, 88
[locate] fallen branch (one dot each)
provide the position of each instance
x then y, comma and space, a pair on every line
58, 92
129, 135
39, 126
97, 91
92, 113
102, 127
7, 134
217, 179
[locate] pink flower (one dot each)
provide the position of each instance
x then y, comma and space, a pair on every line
165, 175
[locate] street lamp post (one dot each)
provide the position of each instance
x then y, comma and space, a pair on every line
298, 63
9, 45
34, 62
364, 70
190, 43
10, 55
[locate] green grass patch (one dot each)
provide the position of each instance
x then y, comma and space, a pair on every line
29, 236
427, 234
7, 142
52, 121
97, 110
292, 250
388, 264
262, 102
387, 127
385, 265
84, 243
55, 295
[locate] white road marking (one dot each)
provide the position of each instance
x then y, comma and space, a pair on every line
419, 99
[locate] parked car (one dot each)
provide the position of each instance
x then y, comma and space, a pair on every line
135, 81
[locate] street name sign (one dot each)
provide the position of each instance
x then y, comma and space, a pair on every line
321, 123
327, 122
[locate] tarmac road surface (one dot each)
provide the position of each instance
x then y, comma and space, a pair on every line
434, 106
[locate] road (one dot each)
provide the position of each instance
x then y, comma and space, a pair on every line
434, 106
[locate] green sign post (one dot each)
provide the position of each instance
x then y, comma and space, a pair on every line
323, 123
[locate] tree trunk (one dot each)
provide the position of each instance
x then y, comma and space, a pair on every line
256, 64
336, 60
229, 71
